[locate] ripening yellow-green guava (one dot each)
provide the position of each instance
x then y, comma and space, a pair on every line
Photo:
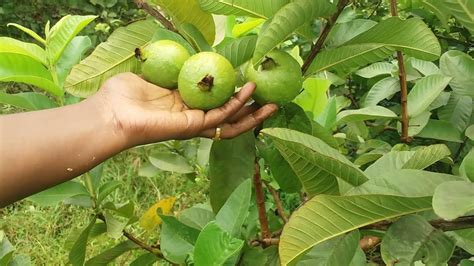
207, 80
278, 78
162, 62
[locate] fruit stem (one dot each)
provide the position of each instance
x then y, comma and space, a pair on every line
206, 83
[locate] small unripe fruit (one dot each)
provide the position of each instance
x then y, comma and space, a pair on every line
278, 78
207, 80
162, 62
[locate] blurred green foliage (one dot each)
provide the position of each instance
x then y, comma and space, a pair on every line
34, 14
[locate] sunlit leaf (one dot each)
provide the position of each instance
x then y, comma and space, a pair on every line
261, 9
238, 51
425, 91
453, 199
367, 113
460, 67
13, 46
383, 89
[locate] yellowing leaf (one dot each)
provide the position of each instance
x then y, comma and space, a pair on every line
150, 219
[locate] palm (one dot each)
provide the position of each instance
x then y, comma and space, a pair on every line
156, 114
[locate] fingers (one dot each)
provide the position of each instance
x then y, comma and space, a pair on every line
230, 130
244, 111
216, 116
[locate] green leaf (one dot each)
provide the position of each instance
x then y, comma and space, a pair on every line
230, 163
367, 113
375, 69
281, 26
114, 56
323, 134
404, 182
462, 10
314, 97
214, 246
441, 130
383, 89
72, 55
279, 167
77, 254
197, 216
107, 188
315, 163
111, 254
426, 68
343, 32
380, 42
460, 67
290, 116
457, 111
6, 249
231, 216
33, 34
13, 46
62, 33
164, 34
453, 199
57, 194
427, 156
333, 252
238, 51
327, 118
324, 217
27, 100
412, 238
189, 11
174, 247
438, 9
147, 259
115, 224
187, 233
195, 37
467, 166
470, 132
261, 9
250, 25
171, 162
393, 160
425, 91
23, 68
464, 239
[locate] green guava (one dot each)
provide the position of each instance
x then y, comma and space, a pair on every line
278, 78
207, 80
162, 62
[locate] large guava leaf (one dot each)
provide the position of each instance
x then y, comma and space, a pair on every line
462, 10
316, 164
258, 9
411, 36
13, 46
287, 20
325, 217
189, 11
116, 55
238, 51
425, 91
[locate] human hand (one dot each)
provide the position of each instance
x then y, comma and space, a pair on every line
145, 113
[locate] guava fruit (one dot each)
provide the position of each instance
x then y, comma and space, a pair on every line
278, 78
207, 80
162, 62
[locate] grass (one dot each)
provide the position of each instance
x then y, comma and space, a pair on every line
41, 232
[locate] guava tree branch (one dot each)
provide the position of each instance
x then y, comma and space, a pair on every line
276, 199
403, 83
262, 216
155, 13
156, 251
323, 35
456, 224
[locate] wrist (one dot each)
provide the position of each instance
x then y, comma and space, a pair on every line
109, 128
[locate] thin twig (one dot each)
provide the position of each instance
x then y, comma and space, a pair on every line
155, 13
456, 224
265, 242
375, 9
277, 200
155, 251
403, 83
322, 36
262, 216
369, 242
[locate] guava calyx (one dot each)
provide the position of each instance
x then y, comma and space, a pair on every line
139, 54
268, 63
206, 83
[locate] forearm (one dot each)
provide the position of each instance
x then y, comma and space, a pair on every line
44, 148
